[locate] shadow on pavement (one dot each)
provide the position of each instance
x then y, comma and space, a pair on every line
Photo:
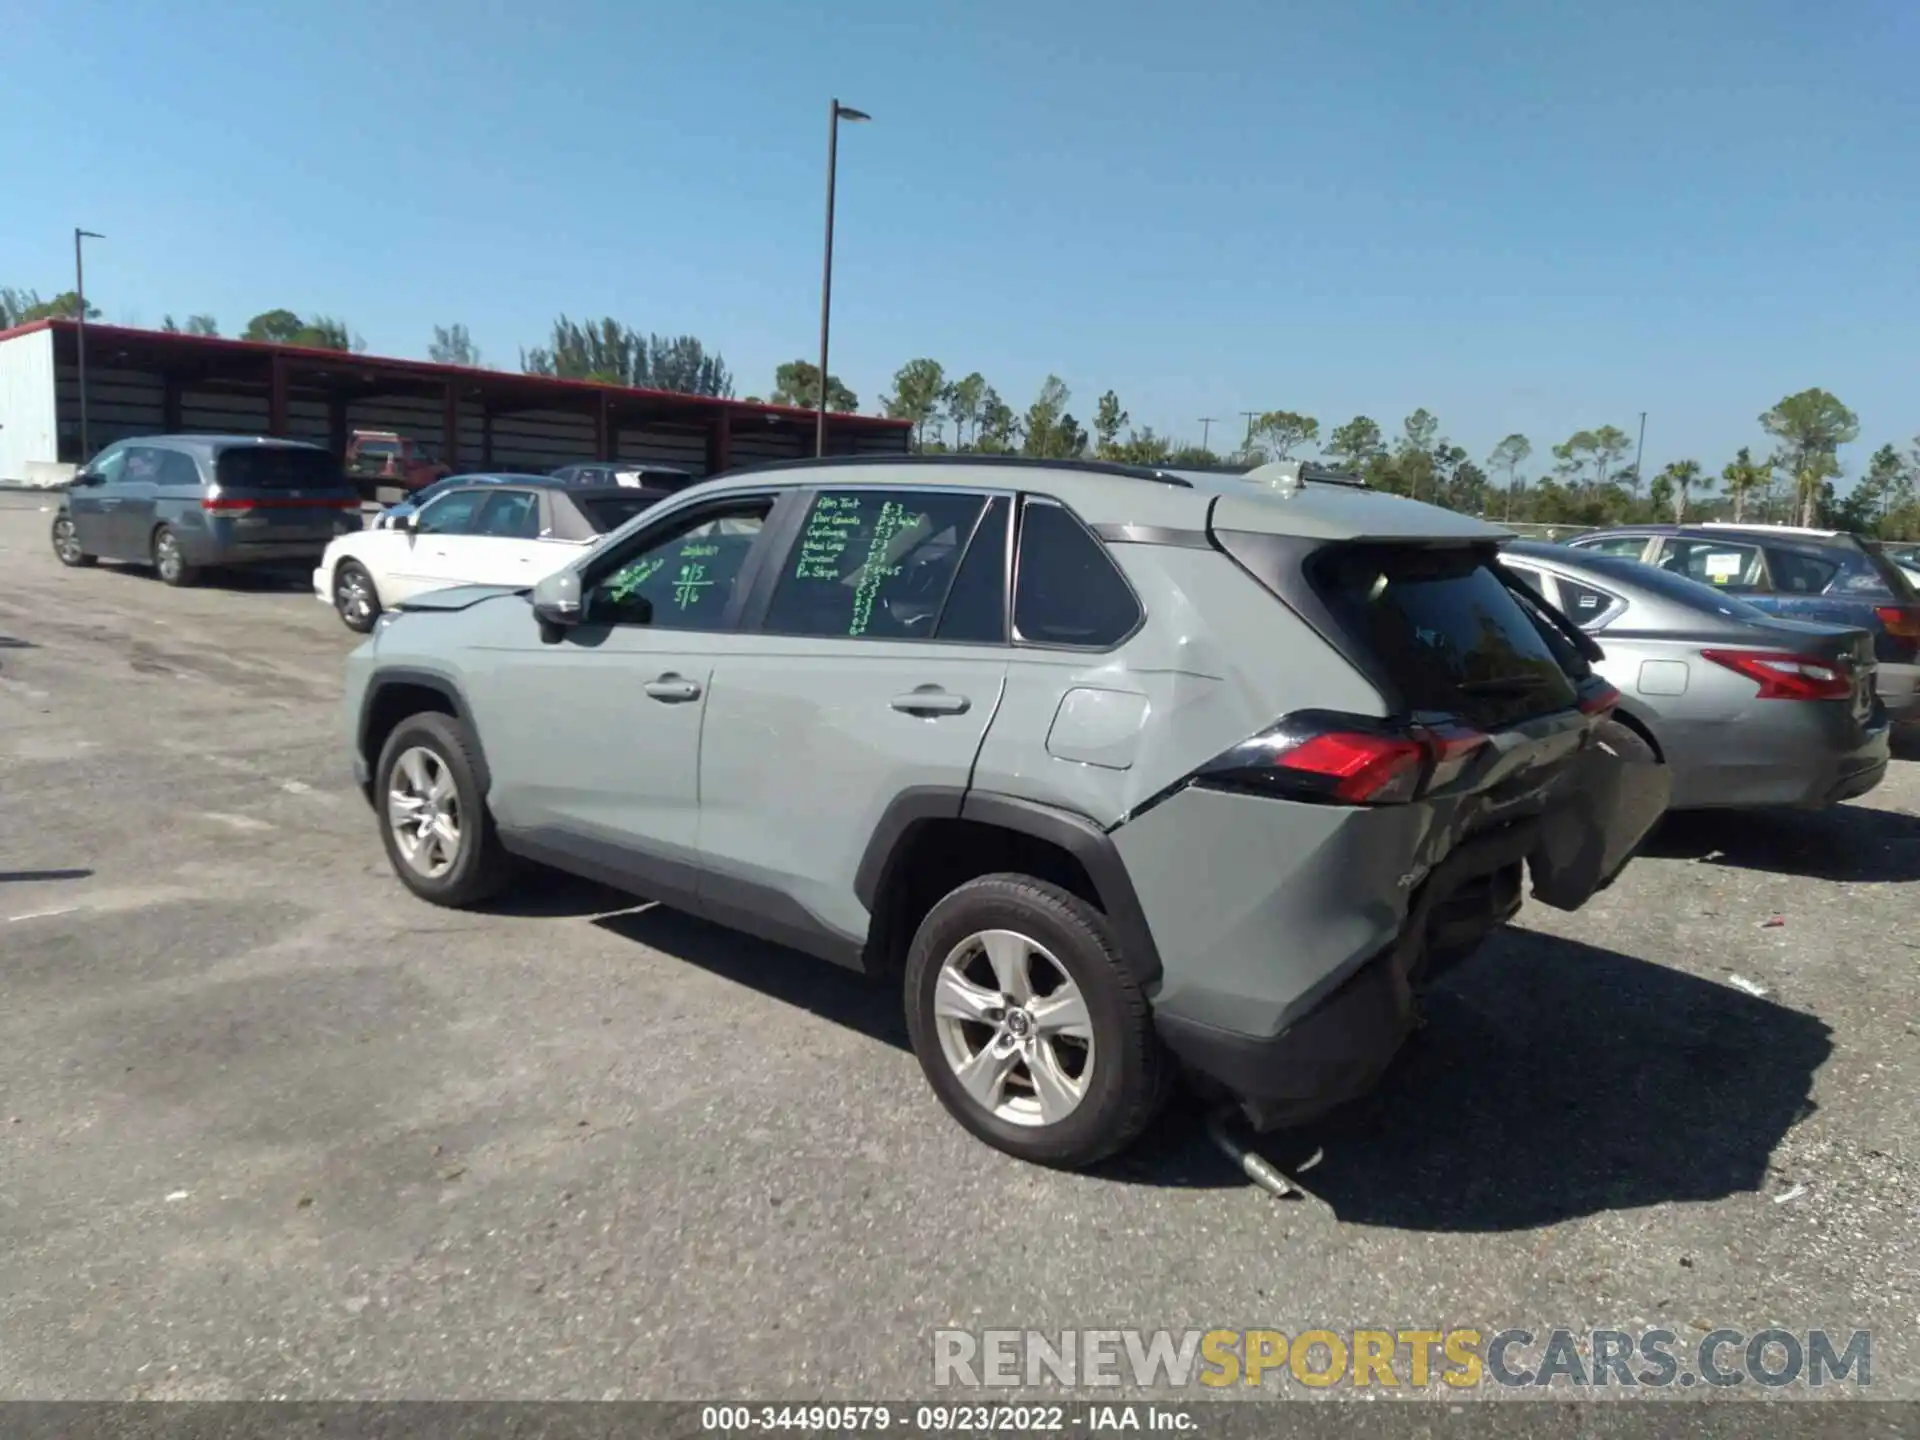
816, 986
1850, 843
14, 642
1555, 1079
8, 876
554, 895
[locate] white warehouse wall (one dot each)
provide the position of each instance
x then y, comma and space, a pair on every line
28, 446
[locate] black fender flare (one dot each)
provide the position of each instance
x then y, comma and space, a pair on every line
446, 688
1080, 837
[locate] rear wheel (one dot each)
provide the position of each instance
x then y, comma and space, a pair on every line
355, 597
440, 839
66, 543
169, 561
1028, 1024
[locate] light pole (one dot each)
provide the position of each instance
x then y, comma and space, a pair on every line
1206, 430
835, 114
80, 330
1636, 452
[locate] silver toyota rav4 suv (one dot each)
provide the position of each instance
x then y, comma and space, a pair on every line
1120, 773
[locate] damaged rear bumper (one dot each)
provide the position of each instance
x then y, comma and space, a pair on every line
1339, 1048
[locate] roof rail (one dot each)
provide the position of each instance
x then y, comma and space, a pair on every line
1028, 462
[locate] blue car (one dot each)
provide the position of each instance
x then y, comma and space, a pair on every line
393, 514
1825, 576
185, 504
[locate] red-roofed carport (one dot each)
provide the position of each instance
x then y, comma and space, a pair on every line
144, 382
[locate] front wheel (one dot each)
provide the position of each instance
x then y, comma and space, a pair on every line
1028, 1024
355, 597
66, 543
169, 561
439, 837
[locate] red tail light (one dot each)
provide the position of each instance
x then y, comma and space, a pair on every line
1900, 620
225, 505
1597, 697
1781, 676
1343, 760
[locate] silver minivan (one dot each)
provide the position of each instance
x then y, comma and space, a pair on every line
183, 503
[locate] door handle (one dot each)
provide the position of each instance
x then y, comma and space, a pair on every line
931, 700
672, 689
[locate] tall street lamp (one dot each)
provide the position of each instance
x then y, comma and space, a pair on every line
835, 115
80, 330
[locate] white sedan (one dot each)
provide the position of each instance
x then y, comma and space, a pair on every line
489, 532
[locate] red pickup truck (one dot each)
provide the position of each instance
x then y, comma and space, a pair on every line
386, 457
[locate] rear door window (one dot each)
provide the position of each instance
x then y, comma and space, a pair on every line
976, 609
1066, 589
510, 515
1446, 630
1586, 605
177, 470
872, 563
1723, 564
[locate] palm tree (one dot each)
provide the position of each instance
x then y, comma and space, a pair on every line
1682, 476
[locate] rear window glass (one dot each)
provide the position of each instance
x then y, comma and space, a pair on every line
615, 510
1795, 573
1066, 588
1723, 564
271, 467
1450, 635
1885, 576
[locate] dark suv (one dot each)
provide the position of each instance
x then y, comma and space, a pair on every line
1826, 576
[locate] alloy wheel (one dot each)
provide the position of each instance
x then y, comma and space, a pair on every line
166, 556
353, 595
66, 543
1014, 1027
423, 811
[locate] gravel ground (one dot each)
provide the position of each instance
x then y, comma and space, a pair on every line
269, 1127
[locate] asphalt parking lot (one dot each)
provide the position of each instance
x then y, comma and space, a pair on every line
269, 1127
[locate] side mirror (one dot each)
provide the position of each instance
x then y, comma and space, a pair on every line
556, 600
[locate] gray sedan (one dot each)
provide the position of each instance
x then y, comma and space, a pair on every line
1745, 708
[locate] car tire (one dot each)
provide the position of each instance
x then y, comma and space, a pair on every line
170, 562
472, 866
66, 544
1059, 1087
1626, 742
355, 597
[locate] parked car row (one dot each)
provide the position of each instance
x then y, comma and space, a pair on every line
1119, 773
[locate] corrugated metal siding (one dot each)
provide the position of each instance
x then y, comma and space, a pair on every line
123, 402
27, 414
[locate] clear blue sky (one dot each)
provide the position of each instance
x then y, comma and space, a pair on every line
1529, 215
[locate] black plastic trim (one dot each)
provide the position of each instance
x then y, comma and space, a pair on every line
1075, 834
387, 678
680, 885
1097, 854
